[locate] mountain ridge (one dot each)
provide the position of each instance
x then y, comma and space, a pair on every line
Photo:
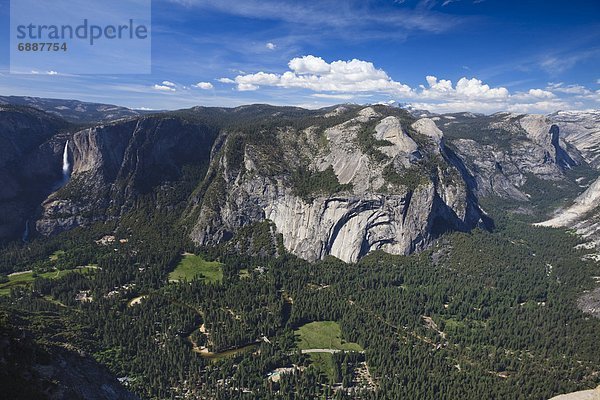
331, 165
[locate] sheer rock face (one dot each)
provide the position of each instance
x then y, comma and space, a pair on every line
547, 135
373, 214
545, 147
349, 227
427, 127
582, 130
518, 146
114, 163
390, 129
328, 189
30, 146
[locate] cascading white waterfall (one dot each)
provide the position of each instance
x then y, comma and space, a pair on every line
25, 237
66, 169
66, 166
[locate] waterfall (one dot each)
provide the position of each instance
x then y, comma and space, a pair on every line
66, 166
66, 169
25, 237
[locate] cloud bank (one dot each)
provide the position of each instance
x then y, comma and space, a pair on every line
357, 78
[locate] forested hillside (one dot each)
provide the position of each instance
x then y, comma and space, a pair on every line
480, 315
476, 303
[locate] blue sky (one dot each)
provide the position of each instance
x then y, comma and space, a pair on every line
443, 55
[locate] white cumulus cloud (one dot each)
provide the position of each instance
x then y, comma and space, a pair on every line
271, 46
168, 83
164, 88
314, 73
465, 89
309, 65
204, 85
539, 93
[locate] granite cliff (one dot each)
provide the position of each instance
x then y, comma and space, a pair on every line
373, 179
340, 181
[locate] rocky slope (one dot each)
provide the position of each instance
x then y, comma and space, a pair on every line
582, 130
31, 368
583, 215
418, 178
30, 147
587, 202
592, 394
371, 180
154, 157
504, 151
113, 164
340, 181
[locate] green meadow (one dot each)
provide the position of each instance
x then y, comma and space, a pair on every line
192, 266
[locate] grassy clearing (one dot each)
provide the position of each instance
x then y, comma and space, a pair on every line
26, 278
56, 255
324, 335
192, 266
